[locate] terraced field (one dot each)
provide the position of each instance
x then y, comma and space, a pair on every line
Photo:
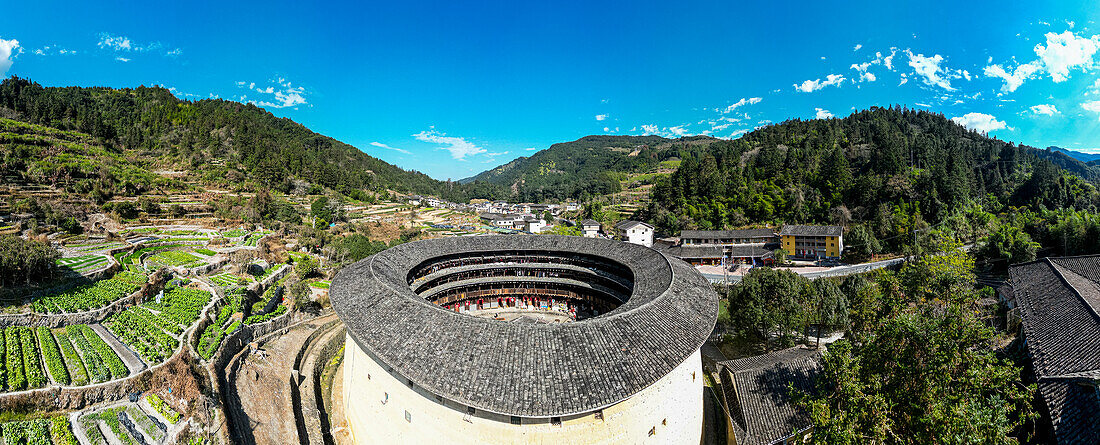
55, 430
37, 357
227, 279
153, 328
91, 296
174, 258
83, 263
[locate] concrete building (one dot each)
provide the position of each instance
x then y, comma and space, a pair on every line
590, 228
636, 232
504, 220
450, 341
534, 224
812, 242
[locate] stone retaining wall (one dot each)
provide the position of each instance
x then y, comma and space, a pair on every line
35, 319
78, 397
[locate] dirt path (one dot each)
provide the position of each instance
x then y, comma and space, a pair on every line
340, 433
263, 385
132, 361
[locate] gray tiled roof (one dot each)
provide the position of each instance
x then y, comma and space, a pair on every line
627, 225
1058, 300
526, 369
759, 398
725, 234
796, 230
693, 251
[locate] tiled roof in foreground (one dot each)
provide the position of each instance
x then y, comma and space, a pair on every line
758, 394
526, 369
1059, 300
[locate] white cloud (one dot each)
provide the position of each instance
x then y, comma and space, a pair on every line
174, 52
668, 132
1093, 106
1016, 78
1095, 88
1062, 54
1047, 109
741, 103
817, 84
122, 59
123, 43
601, 117
980, 121
283, 94
387, 147
904, 79
51, 50
888, 61
117, 43
867, 77
822, 114
929, 68
460, 148
531, 149
8, 50
858, 46
1065, 52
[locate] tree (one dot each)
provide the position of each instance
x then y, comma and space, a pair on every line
320, 209
148, 206
176, 211
305, 266
860, 244
920, 367
1006, 245
24, 261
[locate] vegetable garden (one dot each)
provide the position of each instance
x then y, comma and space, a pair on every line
151, 329
55, 430
91, 296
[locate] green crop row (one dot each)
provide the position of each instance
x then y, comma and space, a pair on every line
78, 374
158, 404
91, 296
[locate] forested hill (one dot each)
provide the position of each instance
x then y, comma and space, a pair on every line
895, 168
587, 167
213, 136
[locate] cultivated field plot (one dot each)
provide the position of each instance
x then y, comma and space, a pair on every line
226, 279
125, 423
55, 430
96, 247
83, 263
224, 325
38, 357
253, 238
174, 258
153, 328
91, 296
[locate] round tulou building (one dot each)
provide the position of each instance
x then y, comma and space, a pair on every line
523, 339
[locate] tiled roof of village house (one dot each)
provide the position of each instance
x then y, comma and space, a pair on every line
1059, 301
527, 369
795, 230
627, 225
758, 395
726, 234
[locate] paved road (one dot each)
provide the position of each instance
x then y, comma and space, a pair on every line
834, 272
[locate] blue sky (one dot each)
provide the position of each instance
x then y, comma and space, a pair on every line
454, 88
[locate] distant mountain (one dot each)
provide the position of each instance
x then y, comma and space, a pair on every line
589, 166
1078, 155
219, 141
884, 167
